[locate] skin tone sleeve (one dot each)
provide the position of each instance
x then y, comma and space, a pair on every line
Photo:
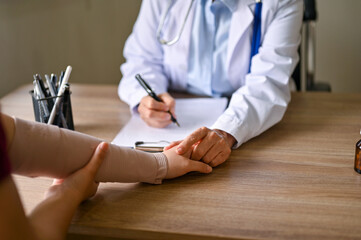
37, 149
43, 150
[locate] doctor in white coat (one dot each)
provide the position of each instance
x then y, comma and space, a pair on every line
212, 58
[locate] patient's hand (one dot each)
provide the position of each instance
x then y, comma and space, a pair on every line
81, 184
179, 165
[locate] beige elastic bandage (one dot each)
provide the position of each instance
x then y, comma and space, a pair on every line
44, 150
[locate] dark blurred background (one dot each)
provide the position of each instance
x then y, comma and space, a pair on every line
42, 36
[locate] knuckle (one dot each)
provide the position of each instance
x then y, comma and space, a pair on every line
167, 96
213, 135
203, 129
223, 142
206, 159
192, 138
213, 164
194, 156
218, 161
171, 102
152, 104
200, 154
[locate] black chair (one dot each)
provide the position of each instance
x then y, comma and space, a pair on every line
304, 74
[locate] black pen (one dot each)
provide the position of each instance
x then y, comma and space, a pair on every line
40, 96
54, 82
51, 86
60, 80
41, 84
153, 95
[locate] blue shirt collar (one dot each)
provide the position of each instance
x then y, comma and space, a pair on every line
230, 4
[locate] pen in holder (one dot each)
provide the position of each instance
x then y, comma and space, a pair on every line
43, 106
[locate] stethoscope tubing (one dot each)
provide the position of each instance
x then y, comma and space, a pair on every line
161, 24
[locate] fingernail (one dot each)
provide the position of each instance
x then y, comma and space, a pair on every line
209, 169
179, 150
104, 146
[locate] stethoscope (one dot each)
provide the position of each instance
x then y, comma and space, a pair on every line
256, 38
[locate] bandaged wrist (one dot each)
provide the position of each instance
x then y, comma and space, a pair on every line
45, 150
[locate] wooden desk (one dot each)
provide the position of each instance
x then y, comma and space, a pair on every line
295, 181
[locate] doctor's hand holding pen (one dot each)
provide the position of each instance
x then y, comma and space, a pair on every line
212, 146
155, 113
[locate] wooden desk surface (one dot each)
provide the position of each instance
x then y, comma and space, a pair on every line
295, 181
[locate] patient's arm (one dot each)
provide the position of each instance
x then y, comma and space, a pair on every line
44, 150
37, 149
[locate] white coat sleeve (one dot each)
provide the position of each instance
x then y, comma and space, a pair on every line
263, 100
144, 55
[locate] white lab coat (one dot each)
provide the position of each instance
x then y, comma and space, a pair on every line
260, 98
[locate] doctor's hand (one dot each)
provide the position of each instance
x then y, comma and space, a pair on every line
212, 146
155, 113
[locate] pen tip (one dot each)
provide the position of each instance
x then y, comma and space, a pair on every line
177, 124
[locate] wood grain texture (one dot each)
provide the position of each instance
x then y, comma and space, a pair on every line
294, 181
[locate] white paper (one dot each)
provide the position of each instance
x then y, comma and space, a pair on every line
191, 114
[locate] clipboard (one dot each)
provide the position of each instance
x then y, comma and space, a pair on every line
151, 146
192, 113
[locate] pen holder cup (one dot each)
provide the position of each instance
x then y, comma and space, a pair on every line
64, 116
